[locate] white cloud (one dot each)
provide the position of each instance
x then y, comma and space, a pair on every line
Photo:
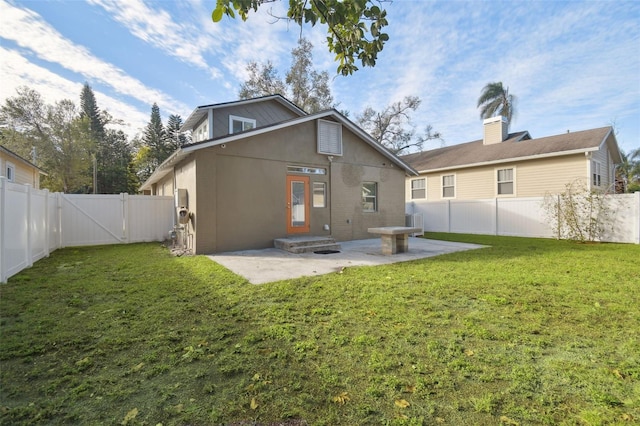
18, 71
184, 40
30, 31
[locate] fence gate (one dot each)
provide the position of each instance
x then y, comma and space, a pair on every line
93, 219
34, 222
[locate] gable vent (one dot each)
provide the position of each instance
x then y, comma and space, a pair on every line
329, 137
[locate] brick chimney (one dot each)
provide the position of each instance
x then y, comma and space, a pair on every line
495, 130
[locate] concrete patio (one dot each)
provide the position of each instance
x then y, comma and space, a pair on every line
268, 265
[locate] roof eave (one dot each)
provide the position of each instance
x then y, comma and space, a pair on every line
410, 171
164, 169
23, 160
184, 151
511, 160
613, 147
196, 115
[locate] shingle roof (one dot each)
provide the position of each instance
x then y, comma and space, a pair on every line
200, 112
518, 146
167, 166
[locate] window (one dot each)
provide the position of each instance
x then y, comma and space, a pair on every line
448, 186
370, 196
319, 194
505, 182
329, 138
418, 189
307, 170
10, 173
240, 124
202, 133
596, 177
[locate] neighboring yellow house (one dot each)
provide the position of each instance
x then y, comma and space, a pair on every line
506, 164
18, 170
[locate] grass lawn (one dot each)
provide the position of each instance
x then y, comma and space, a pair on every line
527, 331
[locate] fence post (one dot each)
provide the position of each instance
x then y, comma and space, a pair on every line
3, 261
495, 212
28, 251
449, 216
59, 199
637, 197
559, 216
47, 225
124, 198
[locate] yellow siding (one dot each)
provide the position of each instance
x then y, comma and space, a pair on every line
475, 183
24, 173
533, 178
433, 187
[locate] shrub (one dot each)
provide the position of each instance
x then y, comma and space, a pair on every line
578, 214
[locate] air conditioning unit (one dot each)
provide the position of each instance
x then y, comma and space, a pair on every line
415, 220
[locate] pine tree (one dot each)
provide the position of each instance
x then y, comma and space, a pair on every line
175, 139
155, 138
112, 151
90, 109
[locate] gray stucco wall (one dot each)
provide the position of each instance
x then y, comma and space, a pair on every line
241, 189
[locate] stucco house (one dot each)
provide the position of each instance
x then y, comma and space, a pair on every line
18, 170
504, 164
263, 169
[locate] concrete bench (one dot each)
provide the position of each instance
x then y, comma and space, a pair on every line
395, 239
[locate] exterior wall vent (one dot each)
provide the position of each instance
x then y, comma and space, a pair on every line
329, 137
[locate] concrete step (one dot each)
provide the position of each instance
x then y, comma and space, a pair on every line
306, 244
312, 249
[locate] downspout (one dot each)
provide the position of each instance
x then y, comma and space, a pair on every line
175, 195
3, 262
330, 191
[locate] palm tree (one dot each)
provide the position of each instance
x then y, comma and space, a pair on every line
496, 100
629, 170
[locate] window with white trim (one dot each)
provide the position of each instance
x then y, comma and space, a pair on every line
448, 186
10, 172
329, 137
240, 124
319, 194
596, 173
369, 197
418, 188
201, 133
505, 181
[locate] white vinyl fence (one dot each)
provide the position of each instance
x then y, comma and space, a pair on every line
34, 223
520, 217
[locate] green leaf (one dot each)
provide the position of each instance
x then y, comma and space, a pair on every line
216, 16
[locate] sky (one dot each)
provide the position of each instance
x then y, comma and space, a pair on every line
573, 65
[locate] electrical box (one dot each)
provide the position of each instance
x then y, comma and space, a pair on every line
183, 215
181, 198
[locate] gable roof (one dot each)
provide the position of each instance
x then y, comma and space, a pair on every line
22, 160
200, 112
167, 166
517, 147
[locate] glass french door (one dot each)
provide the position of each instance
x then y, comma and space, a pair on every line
297, 204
